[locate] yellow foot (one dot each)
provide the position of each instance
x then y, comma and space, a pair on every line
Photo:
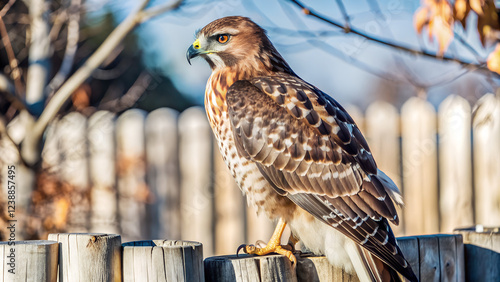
273, 246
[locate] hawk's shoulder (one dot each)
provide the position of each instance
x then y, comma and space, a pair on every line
319, 116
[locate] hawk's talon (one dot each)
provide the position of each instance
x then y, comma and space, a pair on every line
273, 246
242, 246
270, 248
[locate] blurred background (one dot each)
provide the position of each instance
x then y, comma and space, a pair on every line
103, 117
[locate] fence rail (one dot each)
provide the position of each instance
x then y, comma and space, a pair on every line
158, 175
468, 255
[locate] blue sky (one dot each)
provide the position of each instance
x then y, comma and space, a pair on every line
319, 53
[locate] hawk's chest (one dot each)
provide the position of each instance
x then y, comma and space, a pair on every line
216, 108
245, 172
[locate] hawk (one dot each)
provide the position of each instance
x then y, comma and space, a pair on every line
297, 154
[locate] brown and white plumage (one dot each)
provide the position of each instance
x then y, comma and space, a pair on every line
297, 154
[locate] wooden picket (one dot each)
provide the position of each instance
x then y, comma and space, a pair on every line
455, 164
132, 187
486, 132
419, 160
197, 198
102, 160
163, 172
73, 168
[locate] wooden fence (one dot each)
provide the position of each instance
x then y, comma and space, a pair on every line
158, 175
469, 255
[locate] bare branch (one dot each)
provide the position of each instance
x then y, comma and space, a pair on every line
60, 18
6, 8
303, 33
71, 46
374, 6
8, 90
130, 98
350, 59
160, 9
32, 139
397, 46
15, 71
347, 25
468, 46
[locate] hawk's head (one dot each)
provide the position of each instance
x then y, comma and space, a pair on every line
236, 42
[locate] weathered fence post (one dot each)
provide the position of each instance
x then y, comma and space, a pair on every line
195, 153
455, 164
320, 269
437, 257
163, 260
29, 261
410, 249
432, 258
482, 253
249, 268
88, 257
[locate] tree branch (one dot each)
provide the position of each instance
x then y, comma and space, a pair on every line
8, 90
6, 8
130, 98
347, 25
145, 15
398, 45
350, 59
71, 46
15, 71
32, 140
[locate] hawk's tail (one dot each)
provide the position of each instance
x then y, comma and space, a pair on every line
371, 268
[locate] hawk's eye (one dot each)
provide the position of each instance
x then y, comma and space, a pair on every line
223, 38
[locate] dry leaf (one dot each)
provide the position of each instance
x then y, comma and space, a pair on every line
61, 206
460, 11
493, 61
487, 22
81, 97
477, 6
444, 34
421, 18
437, 15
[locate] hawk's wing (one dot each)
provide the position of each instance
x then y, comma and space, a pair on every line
309, 148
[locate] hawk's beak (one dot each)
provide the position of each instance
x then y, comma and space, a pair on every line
193, 51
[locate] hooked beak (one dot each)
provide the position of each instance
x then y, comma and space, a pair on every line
193, 51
